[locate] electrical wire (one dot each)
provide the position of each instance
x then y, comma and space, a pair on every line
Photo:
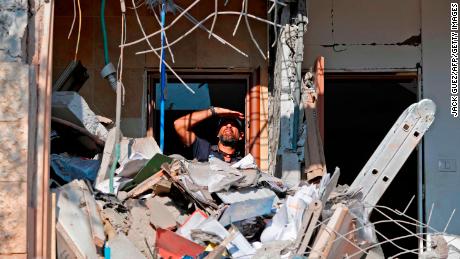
166, 38
79, 30
215, 18
74, 18
239, 18
104, 34
162, 78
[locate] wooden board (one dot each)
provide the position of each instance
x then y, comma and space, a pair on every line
94, 217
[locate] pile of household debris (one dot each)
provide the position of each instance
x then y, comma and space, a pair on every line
148, 205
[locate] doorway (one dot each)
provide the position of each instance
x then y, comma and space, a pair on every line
360, 108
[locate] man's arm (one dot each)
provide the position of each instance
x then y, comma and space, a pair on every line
184, 124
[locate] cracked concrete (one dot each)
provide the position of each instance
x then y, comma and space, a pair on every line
414, 41
13, 23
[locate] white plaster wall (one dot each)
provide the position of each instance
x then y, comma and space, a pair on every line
443, 139
367, 34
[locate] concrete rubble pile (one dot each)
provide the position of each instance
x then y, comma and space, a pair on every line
185, 208
157, 206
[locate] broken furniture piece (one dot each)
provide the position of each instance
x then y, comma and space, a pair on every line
309, 221
337, 238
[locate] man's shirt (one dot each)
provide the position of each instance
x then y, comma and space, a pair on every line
202, 150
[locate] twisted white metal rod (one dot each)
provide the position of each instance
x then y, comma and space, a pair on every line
214, 20
217, 37
250, 30
166, 64
196, 26
163, 29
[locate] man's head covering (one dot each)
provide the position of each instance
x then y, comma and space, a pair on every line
232, 120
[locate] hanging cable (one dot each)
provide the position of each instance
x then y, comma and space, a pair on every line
104, 33
74, 18
79, 30
162, 78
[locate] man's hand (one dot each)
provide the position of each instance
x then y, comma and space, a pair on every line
222, 112
184, 124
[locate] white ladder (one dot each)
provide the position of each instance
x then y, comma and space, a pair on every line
393, 151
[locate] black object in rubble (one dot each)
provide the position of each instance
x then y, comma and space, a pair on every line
251, 228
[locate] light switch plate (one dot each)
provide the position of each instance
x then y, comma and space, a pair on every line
447, 165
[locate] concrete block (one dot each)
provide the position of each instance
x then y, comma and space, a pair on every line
72, 107
13, 218
14, 85
13, 151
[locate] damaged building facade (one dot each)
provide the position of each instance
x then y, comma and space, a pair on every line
366, 61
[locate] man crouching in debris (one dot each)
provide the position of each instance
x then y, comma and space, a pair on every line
230, 132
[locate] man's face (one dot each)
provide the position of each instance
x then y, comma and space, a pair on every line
229, 133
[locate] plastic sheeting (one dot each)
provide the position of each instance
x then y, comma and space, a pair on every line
72, 168
288, 219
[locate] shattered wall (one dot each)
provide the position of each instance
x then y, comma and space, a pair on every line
362, 35
14, 98
195, 52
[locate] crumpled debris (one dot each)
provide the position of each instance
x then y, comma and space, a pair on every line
287, 220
